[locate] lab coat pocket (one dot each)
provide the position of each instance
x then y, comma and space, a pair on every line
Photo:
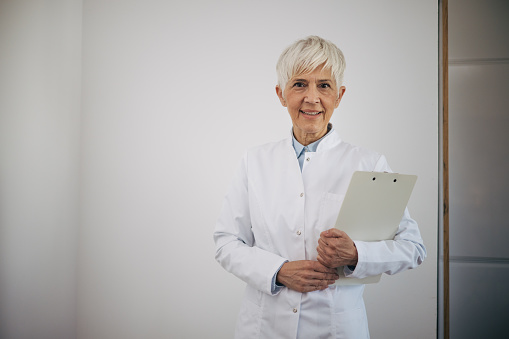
329, 210
248, 323
351, 324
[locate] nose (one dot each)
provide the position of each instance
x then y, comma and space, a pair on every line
312, 95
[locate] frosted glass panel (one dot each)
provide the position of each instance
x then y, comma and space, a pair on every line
478, 29
479, 160
479, 299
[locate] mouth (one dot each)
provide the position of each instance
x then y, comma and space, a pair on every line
310, 113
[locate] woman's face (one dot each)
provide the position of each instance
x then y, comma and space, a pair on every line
311, 99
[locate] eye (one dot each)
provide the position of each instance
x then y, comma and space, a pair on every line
324, 85
299, 84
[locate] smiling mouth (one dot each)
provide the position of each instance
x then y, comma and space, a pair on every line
310, 113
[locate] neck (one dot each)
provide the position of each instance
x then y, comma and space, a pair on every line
308, 138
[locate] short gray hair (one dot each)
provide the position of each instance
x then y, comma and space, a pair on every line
305, 55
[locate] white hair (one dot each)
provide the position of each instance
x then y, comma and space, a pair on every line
306, 55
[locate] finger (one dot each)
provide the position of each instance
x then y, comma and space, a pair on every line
331, 274
307, 288
319, 276
317, 285
329, 249
329, 263
326, 251
329, 278
332, 277
325, 262
326, 282
321, 249
321, 260
313, 277
332, 233
323, 242
321, 268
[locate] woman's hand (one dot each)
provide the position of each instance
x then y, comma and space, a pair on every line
306, 276
335, 248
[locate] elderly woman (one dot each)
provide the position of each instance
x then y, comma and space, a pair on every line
273, 231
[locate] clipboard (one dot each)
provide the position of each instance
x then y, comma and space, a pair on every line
372, 210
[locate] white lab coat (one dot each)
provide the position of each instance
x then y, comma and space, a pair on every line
274, 213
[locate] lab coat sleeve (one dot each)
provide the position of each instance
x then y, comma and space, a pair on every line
235, 244
405, 251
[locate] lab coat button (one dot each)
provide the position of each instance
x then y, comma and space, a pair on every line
294, 310
301, 195
298, 232
307, 159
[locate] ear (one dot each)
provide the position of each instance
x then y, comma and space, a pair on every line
279, 93
341, 92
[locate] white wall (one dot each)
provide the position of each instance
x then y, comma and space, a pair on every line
172, 94
40, 56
